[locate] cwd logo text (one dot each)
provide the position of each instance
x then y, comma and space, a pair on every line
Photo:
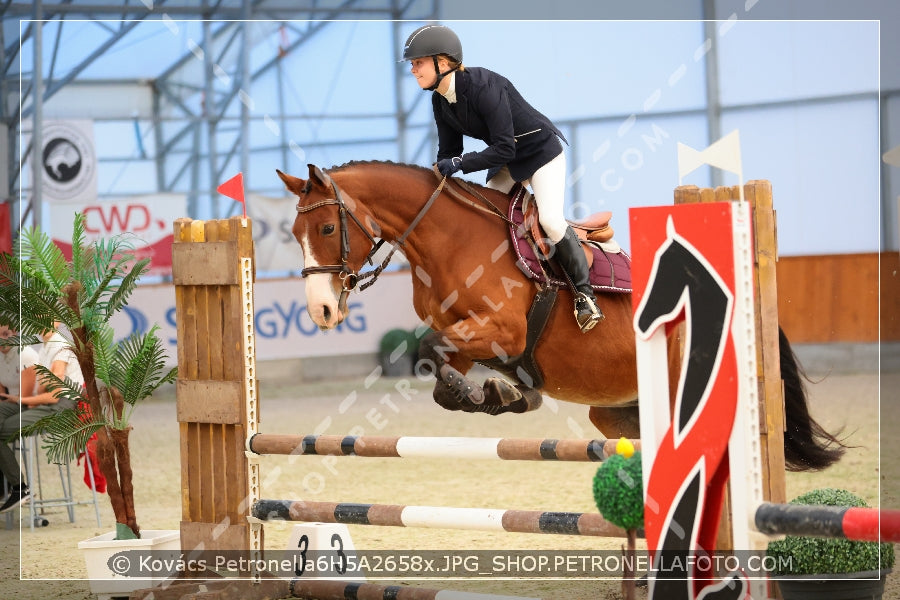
112, 219
147, 220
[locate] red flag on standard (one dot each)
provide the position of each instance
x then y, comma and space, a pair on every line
234, 189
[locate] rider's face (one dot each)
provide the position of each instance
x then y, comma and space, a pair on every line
423, 70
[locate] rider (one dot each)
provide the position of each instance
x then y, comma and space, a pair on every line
522, 144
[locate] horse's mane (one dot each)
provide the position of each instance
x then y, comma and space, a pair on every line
375, 163
391, 164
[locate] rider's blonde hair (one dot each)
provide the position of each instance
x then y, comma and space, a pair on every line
453, 64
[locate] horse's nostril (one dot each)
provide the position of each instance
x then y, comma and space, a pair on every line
326, 313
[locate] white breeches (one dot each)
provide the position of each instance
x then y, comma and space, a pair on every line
548, 184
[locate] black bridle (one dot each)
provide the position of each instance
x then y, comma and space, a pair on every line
347, 275
350, 279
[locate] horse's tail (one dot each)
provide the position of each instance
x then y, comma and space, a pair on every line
807, 446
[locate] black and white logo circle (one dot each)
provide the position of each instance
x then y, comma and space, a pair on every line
68, 160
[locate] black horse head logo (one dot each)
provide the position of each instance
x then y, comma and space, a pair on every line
61, 160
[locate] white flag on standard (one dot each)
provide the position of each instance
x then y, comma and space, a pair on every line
724, 154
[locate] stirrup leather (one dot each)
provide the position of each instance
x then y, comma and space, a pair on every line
587, 314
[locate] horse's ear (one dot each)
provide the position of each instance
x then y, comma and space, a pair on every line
293, 184
318, 177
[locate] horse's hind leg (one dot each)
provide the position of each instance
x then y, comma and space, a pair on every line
617, 421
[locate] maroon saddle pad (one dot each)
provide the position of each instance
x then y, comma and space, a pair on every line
610, 271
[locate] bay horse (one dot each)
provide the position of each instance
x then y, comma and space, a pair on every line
468, 289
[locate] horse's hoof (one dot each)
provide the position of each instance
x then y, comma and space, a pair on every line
528, 403
499, 392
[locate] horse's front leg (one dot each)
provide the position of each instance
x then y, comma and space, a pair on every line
451, 352
440, 351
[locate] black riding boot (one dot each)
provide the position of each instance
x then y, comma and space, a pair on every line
571, 258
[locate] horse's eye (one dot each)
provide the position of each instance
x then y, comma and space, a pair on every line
327, 229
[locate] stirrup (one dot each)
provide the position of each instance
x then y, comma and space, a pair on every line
587, 313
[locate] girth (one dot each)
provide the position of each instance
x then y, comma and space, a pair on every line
525, 367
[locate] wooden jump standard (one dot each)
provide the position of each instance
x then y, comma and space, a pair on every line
213, 273
758, 193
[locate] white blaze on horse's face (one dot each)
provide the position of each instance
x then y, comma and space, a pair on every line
323, 292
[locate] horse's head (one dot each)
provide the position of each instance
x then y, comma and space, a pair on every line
336, 234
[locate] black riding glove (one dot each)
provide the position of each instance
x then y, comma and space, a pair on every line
449, 166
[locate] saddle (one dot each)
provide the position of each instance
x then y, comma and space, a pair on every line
609, 265
595, 228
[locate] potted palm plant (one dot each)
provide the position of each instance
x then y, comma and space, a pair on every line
39, 287
821, 568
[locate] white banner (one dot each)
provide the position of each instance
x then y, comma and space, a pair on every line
69, 161
148, 219
276, 249
283, 327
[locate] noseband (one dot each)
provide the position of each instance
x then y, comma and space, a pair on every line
349, 278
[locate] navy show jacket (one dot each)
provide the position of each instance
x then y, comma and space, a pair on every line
489, 108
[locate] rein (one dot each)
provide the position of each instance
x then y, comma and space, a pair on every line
489, 208
396, 244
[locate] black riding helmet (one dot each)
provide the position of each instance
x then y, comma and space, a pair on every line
433, 40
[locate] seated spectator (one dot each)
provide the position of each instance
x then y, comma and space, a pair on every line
16, 372
26, 407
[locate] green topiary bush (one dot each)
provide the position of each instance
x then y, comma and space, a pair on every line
618, 491
815, 555
398, 342
398, 352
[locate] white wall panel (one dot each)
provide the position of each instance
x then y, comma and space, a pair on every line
823, 162
101, 101
764, 61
